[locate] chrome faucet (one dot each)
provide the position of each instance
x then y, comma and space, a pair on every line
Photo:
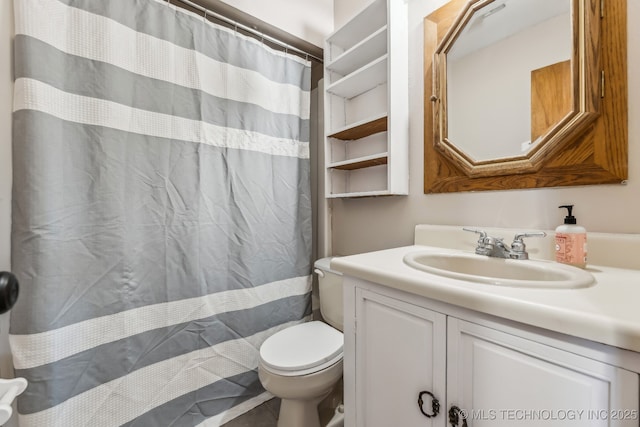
495, 247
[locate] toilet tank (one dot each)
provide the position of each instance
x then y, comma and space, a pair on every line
330, 286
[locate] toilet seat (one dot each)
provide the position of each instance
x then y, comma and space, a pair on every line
302, 349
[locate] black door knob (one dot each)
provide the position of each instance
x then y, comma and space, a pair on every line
9, 289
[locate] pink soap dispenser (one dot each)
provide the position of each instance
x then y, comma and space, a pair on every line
571, 241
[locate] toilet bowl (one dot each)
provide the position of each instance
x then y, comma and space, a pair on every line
301, 364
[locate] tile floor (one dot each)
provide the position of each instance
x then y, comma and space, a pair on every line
265, 415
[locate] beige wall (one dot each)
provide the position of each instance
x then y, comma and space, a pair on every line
310, 20
361, 225
6, 87
6, 97
343, 10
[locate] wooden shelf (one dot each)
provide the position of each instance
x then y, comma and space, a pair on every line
361, 162
361, 129
360, 194
361, 54
362, 80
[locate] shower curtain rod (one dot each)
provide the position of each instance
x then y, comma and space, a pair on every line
248, 29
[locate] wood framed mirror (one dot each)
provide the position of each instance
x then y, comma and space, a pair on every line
553, 118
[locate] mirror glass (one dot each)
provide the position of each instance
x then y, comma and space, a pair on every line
500, 70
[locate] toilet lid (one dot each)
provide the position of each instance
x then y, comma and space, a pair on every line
301, 347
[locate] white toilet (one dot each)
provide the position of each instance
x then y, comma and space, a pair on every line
301, 364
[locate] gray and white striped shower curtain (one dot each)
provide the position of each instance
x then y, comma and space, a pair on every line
161, 212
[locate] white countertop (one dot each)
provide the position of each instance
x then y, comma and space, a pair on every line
607, 312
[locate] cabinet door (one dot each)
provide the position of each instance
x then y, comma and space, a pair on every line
500, 379
400, 352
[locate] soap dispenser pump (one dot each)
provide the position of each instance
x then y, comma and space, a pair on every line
571, 241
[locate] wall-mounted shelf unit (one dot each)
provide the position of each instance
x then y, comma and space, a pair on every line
366, 103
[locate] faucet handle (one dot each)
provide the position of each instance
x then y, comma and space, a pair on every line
482, 233
518, 237
485, 243
518, 246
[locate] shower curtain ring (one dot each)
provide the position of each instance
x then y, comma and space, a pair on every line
205, 15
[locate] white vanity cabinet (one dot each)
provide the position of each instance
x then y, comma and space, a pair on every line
499, 373
502, 379
399, 354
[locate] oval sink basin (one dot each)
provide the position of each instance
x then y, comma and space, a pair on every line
498, 271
